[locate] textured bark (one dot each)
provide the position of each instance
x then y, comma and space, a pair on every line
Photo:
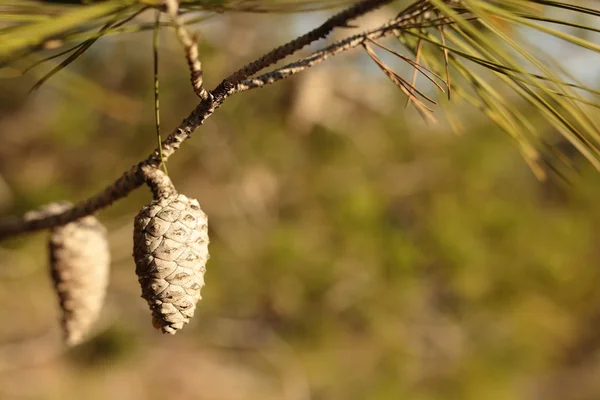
134, 177
339, 20
170, 251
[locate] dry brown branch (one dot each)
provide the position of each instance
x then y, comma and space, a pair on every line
190, 46
315, 58
400, 22
138, 174
339, 20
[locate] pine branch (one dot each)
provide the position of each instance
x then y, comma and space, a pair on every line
322, 55
138, 174
462, 40
190, 45
340, 20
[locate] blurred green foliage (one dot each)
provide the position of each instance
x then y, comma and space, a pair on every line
356, 253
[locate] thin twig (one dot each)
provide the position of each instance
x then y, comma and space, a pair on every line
404, 20
190, 46
315, 58
319, 56
337, 21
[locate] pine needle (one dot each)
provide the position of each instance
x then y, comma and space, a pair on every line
155, 38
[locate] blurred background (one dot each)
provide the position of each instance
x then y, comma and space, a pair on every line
356, 251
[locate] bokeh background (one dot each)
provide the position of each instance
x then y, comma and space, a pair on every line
356, 251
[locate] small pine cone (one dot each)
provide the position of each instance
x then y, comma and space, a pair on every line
170, 248
79, 263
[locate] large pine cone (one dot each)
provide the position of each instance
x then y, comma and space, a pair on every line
79, 263
170, 247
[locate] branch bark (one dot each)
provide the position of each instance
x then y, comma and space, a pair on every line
235, 83
190, 46
339, 20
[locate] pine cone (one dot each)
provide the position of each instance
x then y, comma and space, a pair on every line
79, 264
170, 248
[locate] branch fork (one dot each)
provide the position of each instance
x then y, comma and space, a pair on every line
209, 102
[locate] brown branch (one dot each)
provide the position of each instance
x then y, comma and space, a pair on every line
310, 61
130, 180
190, 46
402, 21
123, 185
138, 174
339, 20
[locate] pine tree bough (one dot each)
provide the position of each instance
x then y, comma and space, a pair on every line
171, 235
134, 177
170, 243
79, 265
